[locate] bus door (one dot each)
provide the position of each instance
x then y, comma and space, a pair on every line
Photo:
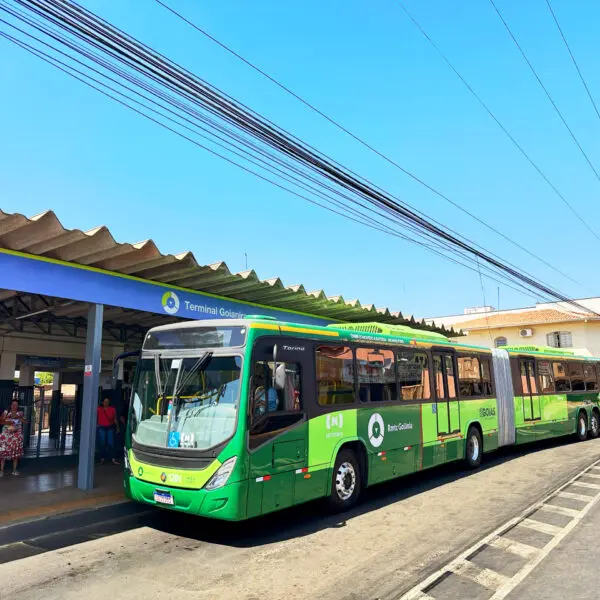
277, 427
448, 408
531, 401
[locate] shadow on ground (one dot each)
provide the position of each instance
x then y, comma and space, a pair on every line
52, 534
309, 518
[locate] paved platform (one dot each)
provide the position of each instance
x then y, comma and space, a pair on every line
570, 570
34, 495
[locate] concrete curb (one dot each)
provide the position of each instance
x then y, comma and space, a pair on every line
68, 520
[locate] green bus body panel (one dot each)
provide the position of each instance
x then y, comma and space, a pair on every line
228, 502
296, 465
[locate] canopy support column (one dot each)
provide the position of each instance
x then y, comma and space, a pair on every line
91, 384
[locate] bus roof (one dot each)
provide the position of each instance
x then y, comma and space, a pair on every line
374, 332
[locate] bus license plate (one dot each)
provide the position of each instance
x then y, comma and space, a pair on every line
163, 497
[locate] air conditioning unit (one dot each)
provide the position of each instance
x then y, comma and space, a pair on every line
526, 332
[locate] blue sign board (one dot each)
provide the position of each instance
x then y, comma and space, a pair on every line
33, 275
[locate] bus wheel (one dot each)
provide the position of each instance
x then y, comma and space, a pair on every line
582, 427
346, 481
595, 425
474, 449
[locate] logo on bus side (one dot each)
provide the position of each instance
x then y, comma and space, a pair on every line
170, 303
334, 421
376, 430
487, 412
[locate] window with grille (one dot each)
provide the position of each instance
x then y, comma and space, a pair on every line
500, 341
560, 339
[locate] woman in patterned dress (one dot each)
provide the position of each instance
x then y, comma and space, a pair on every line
11, 437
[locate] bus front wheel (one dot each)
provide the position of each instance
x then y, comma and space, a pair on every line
474, 448
346, 482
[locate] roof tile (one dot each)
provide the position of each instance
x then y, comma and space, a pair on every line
45, 235
523, 318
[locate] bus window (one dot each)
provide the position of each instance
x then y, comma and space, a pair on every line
438, 375
276, 388
469, 376
376, 373
575, 372
561, 379
486, 377
450, 375
276, 400
413, 375
524, 377
546, 377
528, 380
591, 377
335, 375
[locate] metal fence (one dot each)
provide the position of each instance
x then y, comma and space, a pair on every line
37, 435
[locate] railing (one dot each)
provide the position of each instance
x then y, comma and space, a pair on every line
38, 440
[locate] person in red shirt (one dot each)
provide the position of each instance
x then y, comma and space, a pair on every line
106, 421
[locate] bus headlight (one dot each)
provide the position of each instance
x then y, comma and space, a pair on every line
219, 479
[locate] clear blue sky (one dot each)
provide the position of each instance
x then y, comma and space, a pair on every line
67, 148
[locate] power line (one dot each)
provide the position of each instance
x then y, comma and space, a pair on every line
69, 70
337, 164
562, 35
489, 111
407, 224
550, 99
135, 56
79, 22
361, 141
170, 99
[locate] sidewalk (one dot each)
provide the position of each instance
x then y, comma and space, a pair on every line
570, 571
38, 495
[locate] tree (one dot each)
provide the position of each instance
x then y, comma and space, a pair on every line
45, 378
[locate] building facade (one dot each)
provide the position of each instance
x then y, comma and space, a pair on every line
551, 324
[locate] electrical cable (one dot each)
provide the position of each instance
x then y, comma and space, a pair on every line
138, 57
545, 89
581, 77
364, 143
502, 127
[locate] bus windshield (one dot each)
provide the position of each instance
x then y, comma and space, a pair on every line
185, 402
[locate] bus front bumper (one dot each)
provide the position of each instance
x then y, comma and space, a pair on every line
227, 503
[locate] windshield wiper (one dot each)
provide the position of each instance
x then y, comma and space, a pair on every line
199, 365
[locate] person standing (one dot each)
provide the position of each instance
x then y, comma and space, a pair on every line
106, 421
11, 437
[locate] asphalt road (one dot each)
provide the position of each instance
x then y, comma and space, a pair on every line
403, 532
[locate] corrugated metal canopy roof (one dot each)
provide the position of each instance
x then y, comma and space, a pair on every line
44, 235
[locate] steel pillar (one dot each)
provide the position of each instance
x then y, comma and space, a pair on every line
55, 406
91, 383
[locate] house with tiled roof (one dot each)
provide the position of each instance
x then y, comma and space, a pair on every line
551, 324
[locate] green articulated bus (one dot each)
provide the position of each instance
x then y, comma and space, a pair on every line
232, 419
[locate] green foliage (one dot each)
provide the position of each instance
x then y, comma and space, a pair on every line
45, 378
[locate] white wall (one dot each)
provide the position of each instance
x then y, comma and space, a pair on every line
586, 336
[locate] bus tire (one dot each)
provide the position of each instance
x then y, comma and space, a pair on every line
346, 481
582, 427
595, 424
473, 448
